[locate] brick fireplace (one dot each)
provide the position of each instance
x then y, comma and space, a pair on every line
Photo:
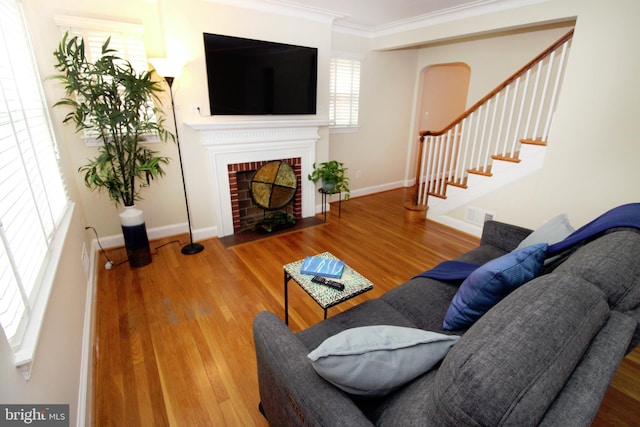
238, 143
245, 212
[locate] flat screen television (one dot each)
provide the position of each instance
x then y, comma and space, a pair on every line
254, 77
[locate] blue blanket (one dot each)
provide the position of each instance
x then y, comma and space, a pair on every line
623, 216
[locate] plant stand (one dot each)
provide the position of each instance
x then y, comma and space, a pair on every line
327, 194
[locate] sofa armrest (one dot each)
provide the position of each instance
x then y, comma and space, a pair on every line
578, 403
291, 391
635, 340
502, 235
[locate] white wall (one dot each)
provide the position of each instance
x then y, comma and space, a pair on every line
173, 29
378, 149
591, 164
56, 375
184, 23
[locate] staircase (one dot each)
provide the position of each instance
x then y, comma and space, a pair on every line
499, 140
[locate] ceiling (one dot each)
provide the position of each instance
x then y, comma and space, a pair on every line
376, 15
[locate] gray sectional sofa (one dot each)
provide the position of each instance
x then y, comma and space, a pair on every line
543, 355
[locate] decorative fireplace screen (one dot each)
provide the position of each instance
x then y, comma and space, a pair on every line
274, 185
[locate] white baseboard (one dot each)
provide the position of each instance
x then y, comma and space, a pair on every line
204, 233
85, 397
458, 224
378, 188
368, 191
160, 232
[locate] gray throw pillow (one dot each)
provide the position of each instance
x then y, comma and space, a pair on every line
375, 360
552, 231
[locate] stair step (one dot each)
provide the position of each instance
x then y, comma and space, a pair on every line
462, 184
537, 141
510, 157
481, 172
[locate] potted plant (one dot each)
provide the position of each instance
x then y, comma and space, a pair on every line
113, 103
332, 174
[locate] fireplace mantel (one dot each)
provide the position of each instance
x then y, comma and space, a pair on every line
233, 142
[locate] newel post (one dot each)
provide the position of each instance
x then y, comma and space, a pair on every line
414, 211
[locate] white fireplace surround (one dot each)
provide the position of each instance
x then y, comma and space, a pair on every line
254, 141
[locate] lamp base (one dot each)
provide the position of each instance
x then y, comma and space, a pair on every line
192, 248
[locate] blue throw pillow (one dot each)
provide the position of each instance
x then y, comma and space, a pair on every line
490, 283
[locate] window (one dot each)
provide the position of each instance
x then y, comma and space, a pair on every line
126, 39
344, 98
33, 202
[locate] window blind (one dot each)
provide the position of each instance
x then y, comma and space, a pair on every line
126, 39
344, 98
33, 198
128, 46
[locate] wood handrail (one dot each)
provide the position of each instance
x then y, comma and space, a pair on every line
501, 86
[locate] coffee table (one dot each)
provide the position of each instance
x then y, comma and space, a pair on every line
325, 296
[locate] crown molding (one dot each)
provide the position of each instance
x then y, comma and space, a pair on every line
470, 10
286, 8
298, 10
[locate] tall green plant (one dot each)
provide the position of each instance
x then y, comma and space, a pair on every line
110, 100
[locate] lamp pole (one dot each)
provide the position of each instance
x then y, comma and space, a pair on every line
190, 248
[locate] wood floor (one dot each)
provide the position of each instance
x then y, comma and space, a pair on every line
173, 340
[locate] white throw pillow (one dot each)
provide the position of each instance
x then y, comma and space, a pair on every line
375, 360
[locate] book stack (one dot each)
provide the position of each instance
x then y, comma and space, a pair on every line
320, 266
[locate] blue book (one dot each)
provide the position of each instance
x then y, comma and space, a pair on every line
319, 266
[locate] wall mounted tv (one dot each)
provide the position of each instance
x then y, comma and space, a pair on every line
254, 77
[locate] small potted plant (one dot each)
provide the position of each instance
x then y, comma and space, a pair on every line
332, 174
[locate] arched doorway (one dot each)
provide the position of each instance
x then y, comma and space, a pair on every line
442, 96
444, 89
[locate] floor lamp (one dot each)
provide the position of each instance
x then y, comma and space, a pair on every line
170, 71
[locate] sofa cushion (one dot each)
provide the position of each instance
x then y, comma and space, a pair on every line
422, 300
490, 283
610, 263
375, 360
369, 312
511, 364
552, 231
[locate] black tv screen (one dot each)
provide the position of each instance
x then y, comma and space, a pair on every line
254, 77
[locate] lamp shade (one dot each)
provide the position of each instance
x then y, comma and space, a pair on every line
166, 67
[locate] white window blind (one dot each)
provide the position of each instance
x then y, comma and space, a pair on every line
125, 38
344, 98
33, 198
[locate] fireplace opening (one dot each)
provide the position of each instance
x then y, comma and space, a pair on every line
246, 213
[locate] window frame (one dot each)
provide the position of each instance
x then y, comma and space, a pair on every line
350, 60
29, 133
126, 38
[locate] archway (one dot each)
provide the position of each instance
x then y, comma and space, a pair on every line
442, 96
444, 89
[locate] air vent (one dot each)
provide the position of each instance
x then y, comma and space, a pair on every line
478, 216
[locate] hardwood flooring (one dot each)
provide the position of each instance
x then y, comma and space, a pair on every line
173, 340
